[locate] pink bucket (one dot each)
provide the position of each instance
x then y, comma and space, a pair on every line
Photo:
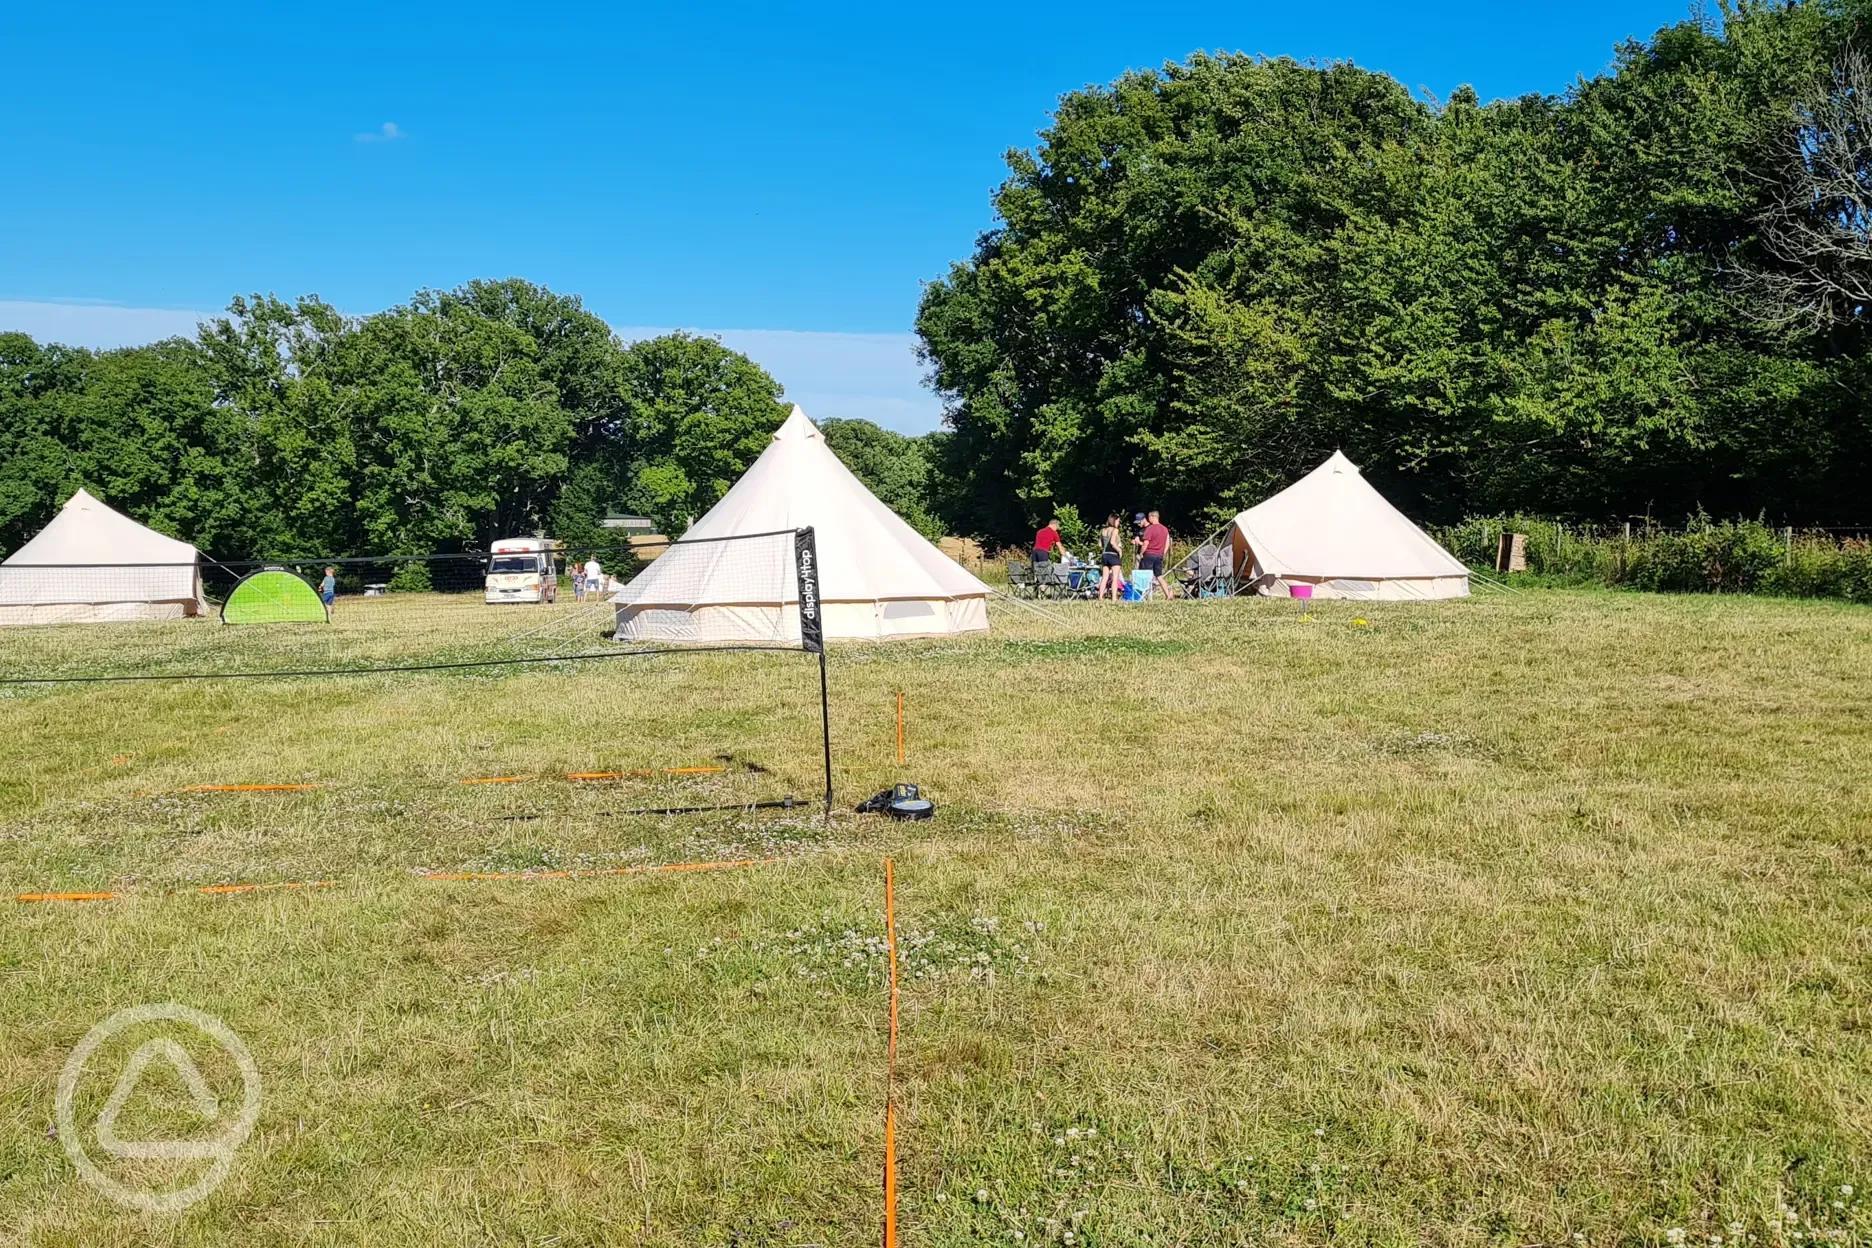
1300, 591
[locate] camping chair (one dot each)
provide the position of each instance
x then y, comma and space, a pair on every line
1022, 581
1209, 570
1054, 580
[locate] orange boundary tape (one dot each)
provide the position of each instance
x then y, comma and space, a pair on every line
573, 875
68, 897
221, 889
655, 771
890, 1081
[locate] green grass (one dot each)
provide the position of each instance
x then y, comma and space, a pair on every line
1502, 920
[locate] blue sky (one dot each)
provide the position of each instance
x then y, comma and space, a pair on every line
785, 175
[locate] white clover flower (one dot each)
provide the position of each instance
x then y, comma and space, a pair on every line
981, 1195
1674, 1235
1839, 1204
1017, 1235
1579, 1237
1241, 1185
1060, 1140
1736, 1228
1072, 1133
1319, 1133
1845, 1189
1312, 1204
1092, 1134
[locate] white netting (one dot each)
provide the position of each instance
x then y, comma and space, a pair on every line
718, 591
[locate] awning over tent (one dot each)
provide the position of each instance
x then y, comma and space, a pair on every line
1332, 531
95, 565
878, 576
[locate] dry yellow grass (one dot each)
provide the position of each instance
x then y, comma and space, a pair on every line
1518, 918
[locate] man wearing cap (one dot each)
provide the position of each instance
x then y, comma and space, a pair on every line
1153, 544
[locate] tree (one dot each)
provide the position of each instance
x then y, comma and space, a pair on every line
692, 416
895, 468
1816, 229
1205, 280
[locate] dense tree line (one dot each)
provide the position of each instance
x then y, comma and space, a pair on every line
288, 429
1204, 280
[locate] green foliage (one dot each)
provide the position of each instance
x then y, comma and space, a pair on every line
693, 415
458, 418
898, 469
1732, 557
140, 428
1208, 278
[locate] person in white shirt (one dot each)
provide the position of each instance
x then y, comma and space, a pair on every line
594, 577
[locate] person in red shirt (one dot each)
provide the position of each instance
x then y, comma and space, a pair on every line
1046, 541
1153, 544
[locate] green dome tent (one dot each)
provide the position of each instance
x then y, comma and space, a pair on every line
273, 596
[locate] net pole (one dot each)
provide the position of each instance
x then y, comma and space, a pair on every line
812, 639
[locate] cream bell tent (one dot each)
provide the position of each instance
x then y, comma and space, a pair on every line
1332, 531
94, 565
878, 577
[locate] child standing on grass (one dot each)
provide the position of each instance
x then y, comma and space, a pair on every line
578, 581
328, 590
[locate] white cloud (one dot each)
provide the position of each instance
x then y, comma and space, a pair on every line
875, 377
389, 134
96, 325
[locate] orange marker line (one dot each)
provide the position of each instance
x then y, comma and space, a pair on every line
890, 1174
248, 788
216, 889
569, 875
67, 897
655, 771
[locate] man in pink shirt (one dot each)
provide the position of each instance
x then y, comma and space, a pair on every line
1153, 544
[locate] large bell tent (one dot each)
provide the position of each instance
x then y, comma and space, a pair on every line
94, 565
1334, 534
878, 577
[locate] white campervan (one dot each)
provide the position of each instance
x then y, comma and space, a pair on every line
520, 569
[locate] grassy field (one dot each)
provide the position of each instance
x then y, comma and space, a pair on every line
1523, 919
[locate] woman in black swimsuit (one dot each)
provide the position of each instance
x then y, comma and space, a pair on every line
1111, 559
